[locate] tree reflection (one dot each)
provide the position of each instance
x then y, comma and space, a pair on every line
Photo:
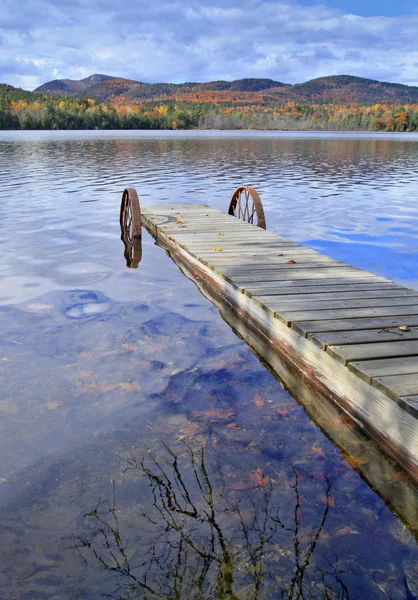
208, 541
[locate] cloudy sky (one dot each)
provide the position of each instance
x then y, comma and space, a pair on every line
192, 40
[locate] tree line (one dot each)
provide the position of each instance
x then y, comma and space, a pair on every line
26, 110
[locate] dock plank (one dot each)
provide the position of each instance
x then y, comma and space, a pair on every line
362, 336
301, 274
409, 402
347, 313
308, 327
315, 287
318, 296
325, 305
368, 369
396, 386
355, 352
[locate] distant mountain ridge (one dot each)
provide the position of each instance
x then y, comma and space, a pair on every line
71, 86
337, 88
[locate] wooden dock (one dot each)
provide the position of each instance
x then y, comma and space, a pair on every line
329, 330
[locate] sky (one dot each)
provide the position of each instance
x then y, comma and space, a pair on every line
191, 40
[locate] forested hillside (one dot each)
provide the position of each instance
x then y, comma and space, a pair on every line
339, 88
102, 102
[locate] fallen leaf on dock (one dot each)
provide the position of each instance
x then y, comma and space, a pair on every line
204, 215
290, 262
217, 249
221, 233
404, 328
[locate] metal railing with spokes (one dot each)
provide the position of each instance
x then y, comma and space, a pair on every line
245, 204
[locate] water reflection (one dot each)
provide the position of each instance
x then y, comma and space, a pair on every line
133, 248
214, 538
97, 364
131, 227
210, 534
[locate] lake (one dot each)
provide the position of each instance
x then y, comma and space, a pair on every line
145, 452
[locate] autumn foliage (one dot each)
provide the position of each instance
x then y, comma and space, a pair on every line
182, 108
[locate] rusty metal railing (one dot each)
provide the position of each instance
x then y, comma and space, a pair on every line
245, 204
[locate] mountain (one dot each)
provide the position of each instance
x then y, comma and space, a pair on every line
72, 86
346, 88
333, 89
105, 87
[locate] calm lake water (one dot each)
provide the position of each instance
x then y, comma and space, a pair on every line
144, 451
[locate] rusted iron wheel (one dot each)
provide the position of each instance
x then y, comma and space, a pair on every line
130, 213
246, 205
130, 227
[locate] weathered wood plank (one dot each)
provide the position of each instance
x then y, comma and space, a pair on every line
409, 403
240, 246
250, 257
309, 327
367, 369
319, 296
317, 286
356, 352
237, 272
362, 336
301, 274
396, 386
258, 261
346, 313
349, 303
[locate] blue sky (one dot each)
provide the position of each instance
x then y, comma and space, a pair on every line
371, 8
191, 40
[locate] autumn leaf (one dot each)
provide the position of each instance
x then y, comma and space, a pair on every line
283, 412
217, 249
215, 414
178, 222
259, 478
222, 234
233, 426
204, 215
258, 401
290, 262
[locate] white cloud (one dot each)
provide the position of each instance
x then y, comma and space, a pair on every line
183, 41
